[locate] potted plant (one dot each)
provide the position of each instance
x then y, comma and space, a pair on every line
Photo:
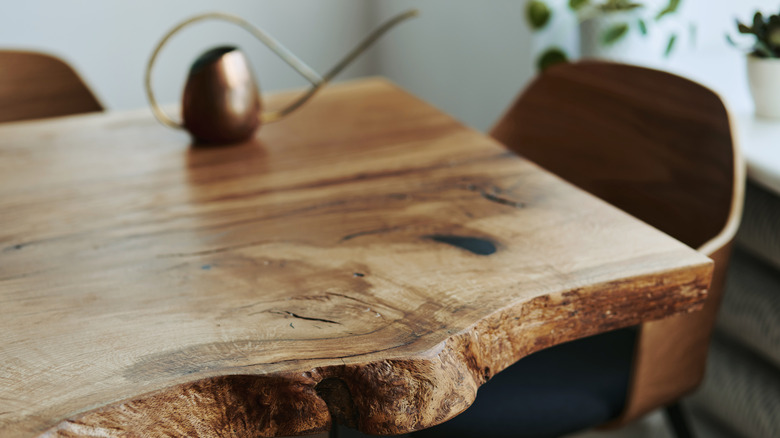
763, 63
609, 29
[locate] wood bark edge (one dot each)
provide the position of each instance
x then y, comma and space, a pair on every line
394, 396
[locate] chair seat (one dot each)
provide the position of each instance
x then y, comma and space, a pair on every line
559, 390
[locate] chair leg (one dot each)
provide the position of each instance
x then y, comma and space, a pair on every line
677, 418
334, 430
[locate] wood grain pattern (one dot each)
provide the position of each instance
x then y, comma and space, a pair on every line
369, 259
659, 147
35, 85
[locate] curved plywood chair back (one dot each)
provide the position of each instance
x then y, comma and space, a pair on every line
653, 144
660, 148
34, 85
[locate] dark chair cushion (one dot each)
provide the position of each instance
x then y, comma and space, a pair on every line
563, 389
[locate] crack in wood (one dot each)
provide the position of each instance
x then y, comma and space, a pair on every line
336, 294
212, 251
16, 247
307, 318
494, 195
502, 200
370, 232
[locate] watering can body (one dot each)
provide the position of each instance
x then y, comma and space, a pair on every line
221, 101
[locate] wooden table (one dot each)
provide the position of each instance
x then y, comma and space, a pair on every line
368, 259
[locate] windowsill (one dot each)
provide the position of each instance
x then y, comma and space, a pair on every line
760, 142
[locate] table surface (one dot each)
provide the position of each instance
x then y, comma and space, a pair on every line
759, 140
369, 259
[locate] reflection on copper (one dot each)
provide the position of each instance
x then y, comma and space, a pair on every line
221, 103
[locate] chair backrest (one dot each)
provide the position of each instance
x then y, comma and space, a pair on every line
34, 85
659, 147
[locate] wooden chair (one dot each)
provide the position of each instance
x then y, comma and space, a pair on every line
659, 147
34, 85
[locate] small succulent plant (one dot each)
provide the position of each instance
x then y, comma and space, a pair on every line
766, 31
539, 13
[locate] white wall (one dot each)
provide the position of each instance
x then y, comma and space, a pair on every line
109, 42
467, 57
464, 56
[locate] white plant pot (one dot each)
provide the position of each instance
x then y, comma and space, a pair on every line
764, 80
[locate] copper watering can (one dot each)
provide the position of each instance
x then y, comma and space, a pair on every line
221, 102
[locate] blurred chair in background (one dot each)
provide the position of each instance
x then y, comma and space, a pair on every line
35, 85
660, 148
741, 392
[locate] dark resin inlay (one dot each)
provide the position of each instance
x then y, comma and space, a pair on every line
475, 245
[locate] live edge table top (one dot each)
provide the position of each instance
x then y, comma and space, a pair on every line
369, 259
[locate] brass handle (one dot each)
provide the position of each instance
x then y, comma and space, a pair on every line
293, 61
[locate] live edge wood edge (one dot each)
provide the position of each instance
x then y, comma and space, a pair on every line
393, 396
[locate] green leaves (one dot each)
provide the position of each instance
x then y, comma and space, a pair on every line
551, 57
618, 5
538, 14
576, 5
766, 31
743, 28
642, 27
614, 33
669, 9
758, 24
670, 45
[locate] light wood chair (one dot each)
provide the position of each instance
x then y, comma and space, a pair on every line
35, 85
659, 147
